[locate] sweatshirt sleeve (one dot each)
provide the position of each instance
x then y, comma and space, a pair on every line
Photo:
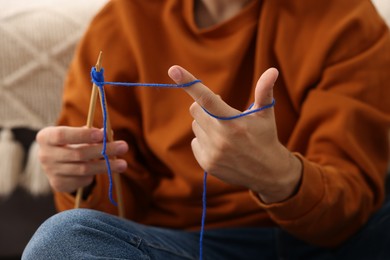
336, 70
105, 34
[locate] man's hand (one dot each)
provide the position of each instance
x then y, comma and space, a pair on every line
71, 156
244, 151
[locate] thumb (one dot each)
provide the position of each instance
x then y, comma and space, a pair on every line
201, 94
264, 88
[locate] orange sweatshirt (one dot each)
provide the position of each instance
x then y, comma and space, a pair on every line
332, 109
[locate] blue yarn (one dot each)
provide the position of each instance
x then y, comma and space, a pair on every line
105, 156
242, 114
204, 207
98, 80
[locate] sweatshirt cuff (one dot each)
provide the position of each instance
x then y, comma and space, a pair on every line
309, 194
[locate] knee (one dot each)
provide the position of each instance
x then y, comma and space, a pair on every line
58, 233
66, 223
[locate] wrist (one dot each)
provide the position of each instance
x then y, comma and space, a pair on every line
287, 185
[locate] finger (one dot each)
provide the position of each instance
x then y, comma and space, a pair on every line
198, 152
200, 134
63, 135
205, 121
201, 94
84, 169
93, 151
82, 152
264, 88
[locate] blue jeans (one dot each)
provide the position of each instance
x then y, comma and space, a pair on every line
88, 234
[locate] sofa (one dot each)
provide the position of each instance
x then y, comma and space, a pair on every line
37, 41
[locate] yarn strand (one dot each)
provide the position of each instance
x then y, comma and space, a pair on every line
98, 79
104, 154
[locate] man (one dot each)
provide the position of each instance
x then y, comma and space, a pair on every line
299, 180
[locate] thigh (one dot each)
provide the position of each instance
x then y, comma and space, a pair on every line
89, 234
292, 248
252, 243
372, 241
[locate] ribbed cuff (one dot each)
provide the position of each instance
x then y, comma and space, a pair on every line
309, 194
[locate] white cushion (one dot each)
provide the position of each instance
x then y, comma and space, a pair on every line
383, 7
38, 38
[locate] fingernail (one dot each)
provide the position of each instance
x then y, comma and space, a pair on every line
175, 74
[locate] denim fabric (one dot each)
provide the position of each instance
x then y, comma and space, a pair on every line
89, 234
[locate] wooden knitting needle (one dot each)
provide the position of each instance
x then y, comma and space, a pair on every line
91, 113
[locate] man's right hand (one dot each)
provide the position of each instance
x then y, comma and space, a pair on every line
71, 156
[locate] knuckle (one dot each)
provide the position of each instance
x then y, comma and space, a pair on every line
57, 136
209, 165
221, 144
43, 157
238, 129
220, 147
83, 169
56, 184
45, 135
40, 137
77, 155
